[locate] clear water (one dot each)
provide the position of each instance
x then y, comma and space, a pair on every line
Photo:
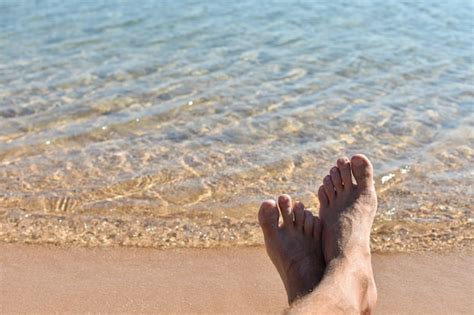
165, 123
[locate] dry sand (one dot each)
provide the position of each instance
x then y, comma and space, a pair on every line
242, 281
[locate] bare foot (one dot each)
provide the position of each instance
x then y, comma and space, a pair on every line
347, 209
347, 214
295, 246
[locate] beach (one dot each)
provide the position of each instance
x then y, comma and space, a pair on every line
138, 140
48, 279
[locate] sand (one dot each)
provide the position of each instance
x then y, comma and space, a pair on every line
208, 281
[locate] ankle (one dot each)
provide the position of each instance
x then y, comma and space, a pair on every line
355, 272
354, 253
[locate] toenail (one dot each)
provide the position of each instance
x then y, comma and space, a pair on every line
268, 210
268, 204
358, 162
334, 170
284, 198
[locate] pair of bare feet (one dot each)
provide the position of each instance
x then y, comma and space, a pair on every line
324, 261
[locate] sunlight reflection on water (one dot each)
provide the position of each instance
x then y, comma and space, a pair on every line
165, 124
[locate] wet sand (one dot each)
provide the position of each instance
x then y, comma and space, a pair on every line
49, 279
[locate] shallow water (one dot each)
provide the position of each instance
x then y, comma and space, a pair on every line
164, 124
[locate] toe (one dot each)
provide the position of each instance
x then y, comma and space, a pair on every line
345, 169
363, 171
284, 203
323, 198
298, 210
336, 179
308, 223
317, 228
329, 188
268, 217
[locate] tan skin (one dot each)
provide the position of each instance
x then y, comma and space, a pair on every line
325, 261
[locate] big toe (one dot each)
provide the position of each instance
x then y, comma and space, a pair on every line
268, 217
362, 170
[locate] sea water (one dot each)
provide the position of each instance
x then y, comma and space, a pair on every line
165, 123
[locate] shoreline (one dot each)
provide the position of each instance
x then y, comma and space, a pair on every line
45, 279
